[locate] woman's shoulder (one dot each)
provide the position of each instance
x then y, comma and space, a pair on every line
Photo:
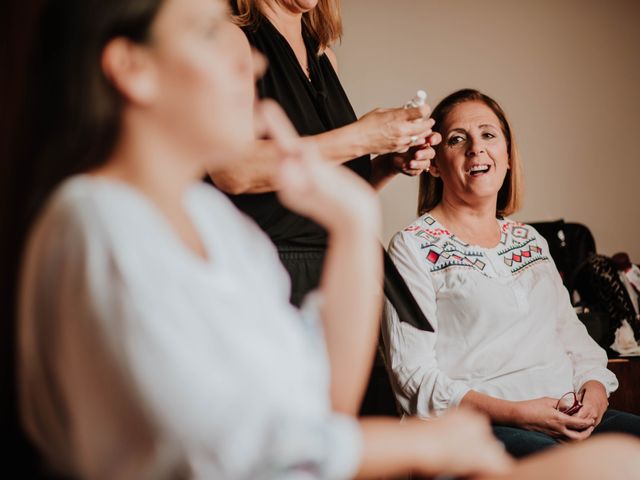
423, 240
515, 232
423, 230
75, 219
80, 202
521, 246
87, 210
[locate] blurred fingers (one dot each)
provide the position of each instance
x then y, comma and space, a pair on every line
434, 138
575, 423
416, 113
418, 165
276, 126
426, 153
578, 435
419, 129
498, 461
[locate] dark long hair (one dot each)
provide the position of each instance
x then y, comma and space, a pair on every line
510, 194
65, 119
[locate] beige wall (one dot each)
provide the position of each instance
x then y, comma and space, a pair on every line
566, 71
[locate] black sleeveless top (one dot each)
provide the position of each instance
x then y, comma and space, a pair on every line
313, 107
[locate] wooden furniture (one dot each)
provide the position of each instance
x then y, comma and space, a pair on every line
627, 397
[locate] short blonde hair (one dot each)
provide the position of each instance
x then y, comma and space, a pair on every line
323, 22
510, 194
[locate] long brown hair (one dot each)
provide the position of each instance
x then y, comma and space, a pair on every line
510, 194
323, 22
66, 120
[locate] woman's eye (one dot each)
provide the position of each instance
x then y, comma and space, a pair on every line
455, 139
488, 135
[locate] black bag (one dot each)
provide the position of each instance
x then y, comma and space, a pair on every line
573, 250
603, 294
570, 244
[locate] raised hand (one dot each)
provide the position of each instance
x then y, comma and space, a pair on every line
394, 129
332, 196
416, 159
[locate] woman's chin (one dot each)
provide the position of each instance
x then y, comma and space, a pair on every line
482, 193
228, 155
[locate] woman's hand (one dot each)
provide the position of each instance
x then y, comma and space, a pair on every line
394, 130
332, 196
594, 402
415, 160
465, 445
541, 415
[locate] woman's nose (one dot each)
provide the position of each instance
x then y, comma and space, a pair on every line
474, 148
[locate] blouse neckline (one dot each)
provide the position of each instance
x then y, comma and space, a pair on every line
160, 220
501, 222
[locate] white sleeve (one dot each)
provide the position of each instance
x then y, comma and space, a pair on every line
131, 377
588, 358
425, 389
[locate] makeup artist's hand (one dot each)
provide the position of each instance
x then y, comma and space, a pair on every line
393, 129
415, 160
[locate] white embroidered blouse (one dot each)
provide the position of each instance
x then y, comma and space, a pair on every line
504, 324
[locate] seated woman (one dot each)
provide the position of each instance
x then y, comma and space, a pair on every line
507, 340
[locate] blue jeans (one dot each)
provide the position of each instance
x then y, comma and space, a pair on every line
520, 442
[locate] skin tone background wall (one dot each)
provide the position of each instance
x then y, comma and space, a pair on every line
567, 72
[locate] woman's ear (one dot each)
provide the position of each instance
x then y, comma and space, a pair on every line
130, 69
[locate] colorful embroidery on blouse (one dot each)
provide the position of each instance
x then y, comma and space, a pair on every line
443, 250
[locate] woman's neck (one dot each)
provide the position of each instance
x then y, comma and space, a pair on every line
288, 23
150, 164
474, 223
149, 161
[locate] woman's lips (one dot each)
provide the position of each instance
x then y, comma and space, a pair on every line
478, 170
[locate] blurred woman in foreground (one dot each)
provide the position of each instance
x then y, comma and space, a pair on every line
156, 336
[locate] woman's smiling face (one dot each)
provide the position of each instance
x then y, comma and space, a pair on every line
473, 158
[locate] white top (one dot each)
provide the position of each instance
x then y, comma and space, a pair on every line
138, 356
503, 321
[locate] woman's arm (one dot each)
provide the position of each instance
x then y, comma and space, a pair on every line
588, 358
254, 174
350, 284
411, 352
591, 378
459, 444
456, 444
380, 131
347, 208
